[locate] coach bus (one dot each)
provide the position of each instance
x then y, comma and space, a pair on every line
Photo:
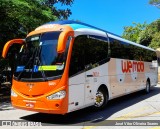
66, 66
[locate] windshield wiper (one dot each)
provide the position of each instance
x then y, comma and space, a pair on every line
18, 77
38, 62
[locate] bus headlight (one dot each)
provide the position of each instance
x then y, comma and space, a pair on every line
58, 95
13, 93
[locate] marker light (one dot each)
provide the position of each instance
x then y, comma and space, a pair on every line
58, 95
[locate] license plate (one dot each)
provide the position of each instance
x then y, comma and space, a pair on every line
30, 105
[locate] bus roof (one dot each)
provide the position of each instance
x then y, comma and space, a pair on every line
76, 25
79, 25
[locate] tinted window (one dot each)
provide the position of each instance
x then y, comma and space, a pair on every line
119, 49
88, 52
77, 57
96, 51
122, 50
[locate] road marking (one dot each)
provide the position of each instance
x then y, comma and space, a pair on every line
131, 114
158, 127
89, 127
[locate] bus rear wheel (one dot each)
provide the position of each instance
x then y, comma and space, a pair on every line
101, 99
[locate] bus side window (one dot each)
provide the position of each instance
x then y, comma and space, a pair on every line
77, 57
96, 51
88, 52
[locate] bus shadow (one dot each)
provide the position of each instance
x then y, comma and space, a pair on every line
88, 116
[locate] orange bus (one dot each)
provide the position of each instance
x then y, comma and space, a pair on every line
66, 66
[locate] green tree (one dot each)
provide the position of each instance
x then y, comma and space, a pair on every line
155, 3
150, 36
18, 17
155, 41
60, 13
132, 32
147, 35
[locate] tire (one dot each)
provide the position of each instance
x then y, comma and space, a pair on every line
148, 88
101, 99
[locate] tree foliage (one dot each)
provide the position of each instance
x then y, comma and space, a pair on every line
60, 13
144, 34
150, 36
18, 17
155, 3
132, 32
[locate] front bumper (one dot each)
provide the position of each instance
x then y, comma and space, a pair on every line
40, 105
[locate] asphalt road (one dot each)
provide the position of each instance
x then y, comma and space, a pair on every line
137, 108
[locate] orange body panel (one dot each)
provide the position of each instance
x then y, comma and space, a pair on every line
8, 44
37, 95
49, 28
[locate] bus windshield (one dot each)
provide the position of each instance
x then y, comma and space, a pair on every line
38, 59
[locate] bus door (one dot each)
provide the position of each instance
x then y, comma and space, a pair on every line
89, 87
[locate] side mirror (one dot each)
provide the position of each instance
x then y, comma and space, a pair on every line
63, 40
9, 43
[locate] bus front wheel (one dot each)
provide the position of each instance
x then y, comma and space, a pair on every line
101, 99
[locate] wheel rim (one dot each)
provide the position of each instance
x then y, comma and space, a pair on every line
99, 100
